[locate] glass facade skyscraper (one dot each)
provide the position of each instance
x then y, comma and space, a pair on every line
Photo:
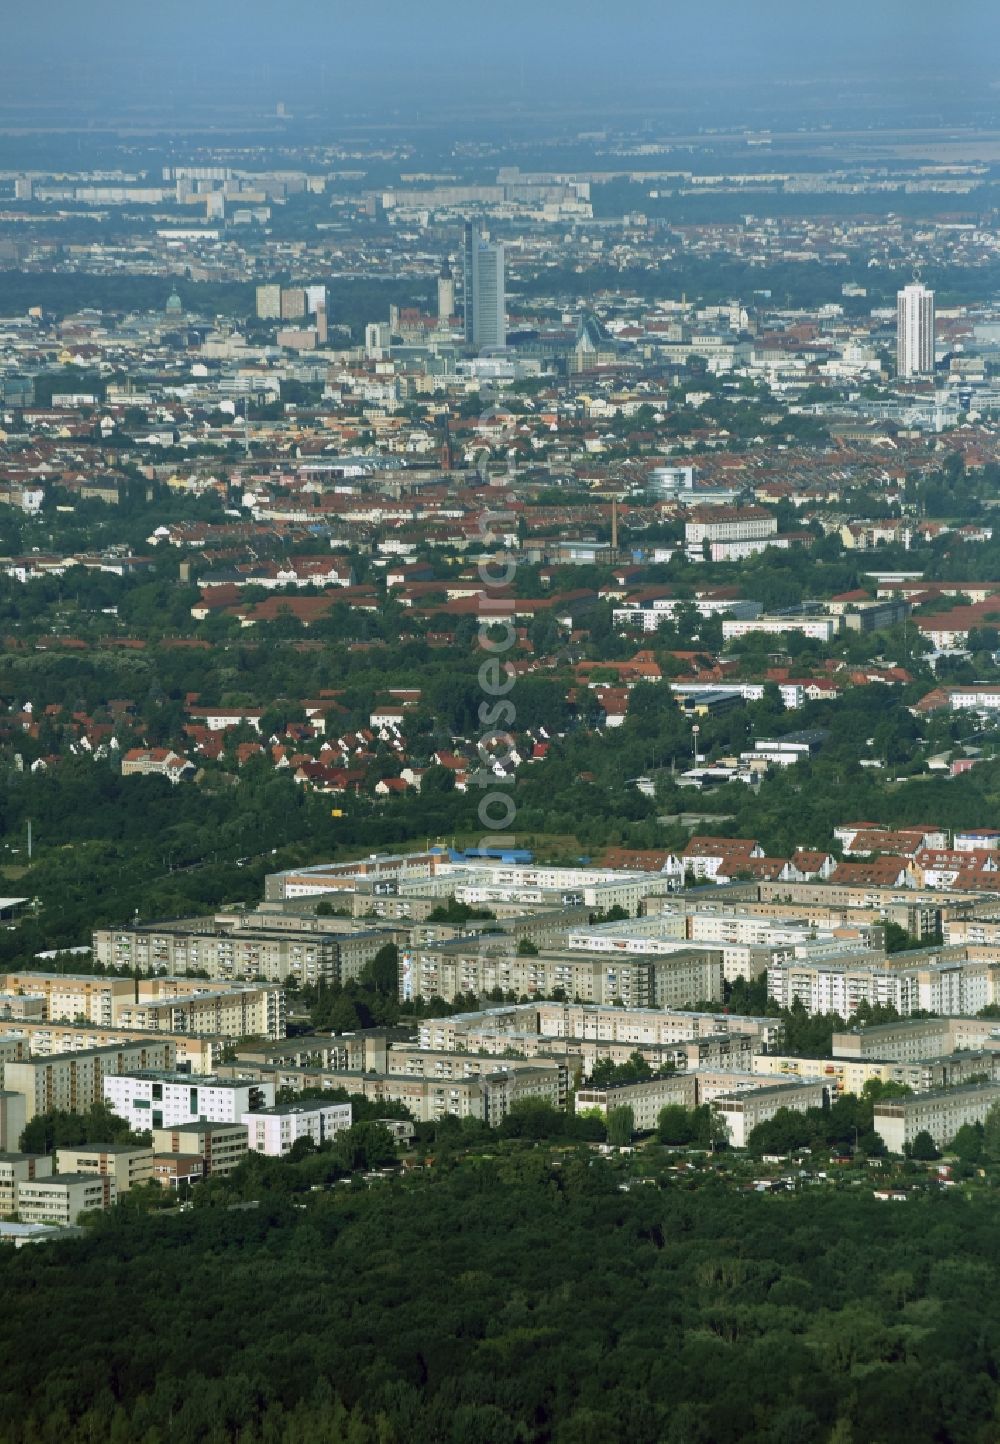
485, 296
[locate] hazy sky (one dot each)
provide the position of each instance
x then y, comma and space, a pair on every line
113, 52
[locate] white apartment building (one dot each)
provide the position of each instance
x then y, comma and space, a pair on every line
741, 549
959, 987
648, 613
728, 524
168, 1100
914, 331
591, 886
274, 1130
821, 629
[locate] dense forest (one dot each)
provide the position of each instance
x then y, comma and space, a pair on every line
509, 1299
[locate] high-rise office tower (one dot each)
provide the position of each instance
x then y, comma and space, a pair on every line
446, 294
485, 299
915, 331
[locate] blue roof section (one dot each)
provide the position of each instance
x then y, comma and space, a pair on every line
496, 854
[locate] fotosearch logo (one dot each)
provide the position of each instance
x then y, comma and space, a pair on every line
496, 637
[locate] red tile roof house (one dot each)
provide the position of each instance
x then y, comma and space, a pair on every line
879, 872
704, 856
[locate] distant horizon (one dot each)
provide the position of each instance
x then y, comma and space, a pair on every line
110, 59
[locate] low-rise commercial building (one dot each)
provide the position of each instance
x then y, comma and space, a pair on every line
19, 1235
178, 1170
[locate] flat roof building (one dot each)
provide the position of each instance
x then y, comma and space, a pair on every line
16, 1168
221, 1147
74, 1082
742, 1112
940, 1113
127, 1163
151, 1100
277, 1129
63, 1198
645, 1098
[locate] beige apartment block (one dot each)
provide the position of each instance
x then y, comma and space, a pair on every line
239, 947
742, 1112
159, 1004
665, 981
74, 997
75, 1081
64, 1197
13, 1116
230, 1013
645, 1099
220, 1146
17, 1168
41, 1040
127, 1164
941, 1114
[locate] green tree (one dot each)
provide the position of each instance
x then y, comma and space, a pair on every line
676, 1124
923, 1148
621, 1126
991, 1135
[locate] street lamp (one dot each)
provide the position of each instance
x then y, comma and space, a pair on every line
694, 737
